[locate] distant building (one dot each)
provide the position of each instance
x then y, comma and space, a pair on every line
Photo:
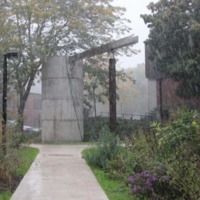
165, 88
33, 109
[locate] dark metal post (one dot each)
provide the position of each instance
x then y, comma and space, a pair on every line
4, 105
161, 102
112, 94
4, 99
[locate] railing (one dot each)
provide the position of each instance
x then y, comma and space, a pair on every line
147, 116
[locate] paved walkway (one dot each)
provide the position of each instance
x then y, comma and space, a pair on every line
59, 173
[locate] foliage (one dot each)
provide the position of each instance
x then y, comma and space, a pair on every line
122, 164
17, 139
174, 42
175, 146
141, 149
15, 163
125, 127
128, 127
93, 127
117, 161
106, 148
8, 165
154, 184
96, 82
180, 146
161, 162
182, 133
12, 167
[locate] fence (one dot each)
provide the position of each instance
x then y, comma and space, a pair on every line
127, 124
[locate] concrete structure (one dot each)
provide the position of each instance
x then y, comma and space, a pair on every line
62, 100
152, 95
62, 92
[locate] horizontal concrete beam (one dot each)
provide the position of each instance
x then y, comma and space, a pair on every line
109, 47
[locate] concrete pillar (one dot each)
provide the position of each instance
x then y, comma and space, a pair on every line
152, 94
62, 100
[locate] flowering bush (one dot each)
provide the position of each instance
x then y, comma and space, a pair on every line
152, 183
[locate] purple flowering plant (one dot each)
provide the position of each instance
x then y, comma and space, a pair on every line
149, 182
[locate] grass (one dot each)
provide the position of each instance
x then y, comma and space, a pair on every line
114, 189
27, 156
5, 195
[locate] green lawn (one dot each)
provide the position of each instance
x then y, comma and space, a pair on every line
5, 195
27, 155
114, 189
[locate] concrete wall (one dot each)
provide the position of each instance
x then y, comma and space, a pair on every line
152, 94
62, 100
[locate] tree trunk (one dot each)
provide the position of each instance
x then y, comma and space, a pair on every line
112, 95
20, 120
95, 107
23, 96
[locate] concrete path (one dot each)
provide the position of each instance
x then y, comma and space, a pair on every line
59, 173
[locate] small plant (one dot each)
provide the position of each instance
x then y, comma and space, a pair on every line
13, 167
8, 165
106, 149
122, 164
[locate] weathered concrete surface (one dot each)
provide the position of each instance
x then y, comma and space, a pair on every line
152, 94
62, 100
59, 173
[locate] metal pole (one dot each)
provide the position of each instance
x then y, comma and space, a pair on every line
112, 94
4, 105
4, 98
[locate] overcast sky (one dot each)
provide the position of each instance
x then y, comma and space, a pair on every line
134, 9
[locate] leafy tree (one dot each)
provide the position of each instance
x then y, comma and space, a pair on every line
174, 42
96, 82
39, 28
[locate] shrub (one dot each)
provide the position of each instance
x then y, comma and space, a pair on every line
122, 164
182, 132
153, 184
176, 144
180, 147
17, 139
8, 165
93, 127
105, 149
125, 127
